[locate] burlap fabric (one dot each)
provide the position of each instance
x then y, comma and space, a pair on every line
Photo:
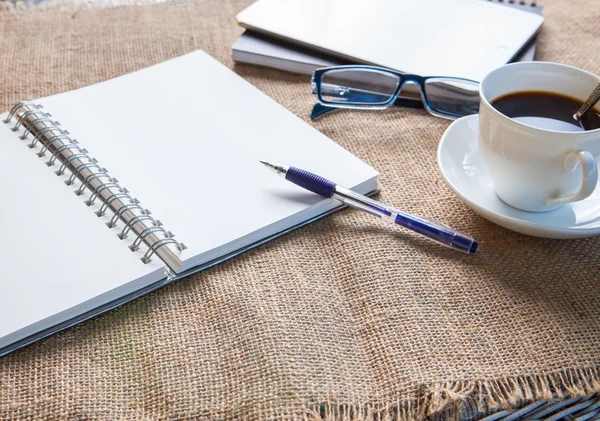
343, 319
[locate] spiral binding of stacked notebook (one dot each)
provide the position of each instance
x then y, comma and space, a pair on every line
517, 3
68, 153
521, 2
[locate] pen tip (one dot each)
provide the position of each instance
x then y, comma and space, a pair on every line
279, 169
267, 164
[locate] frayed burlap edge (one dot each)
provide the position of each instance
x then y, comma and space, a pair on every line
464, 399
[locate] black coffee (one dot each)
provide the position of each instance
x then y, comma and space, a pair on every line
546, 110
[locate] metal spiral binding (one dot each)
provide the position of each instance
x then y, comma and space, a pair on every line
532, 3
101, 186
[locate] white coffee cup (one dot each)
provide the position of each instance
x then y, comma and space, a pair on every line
536, 169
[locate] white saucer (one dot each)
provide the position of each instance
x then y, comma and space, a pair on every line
463, 169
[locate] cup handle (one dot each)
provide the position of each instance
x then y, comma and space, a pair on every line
590, 175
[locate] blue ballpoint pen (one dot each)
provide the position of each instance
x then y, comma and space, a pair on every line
321, 186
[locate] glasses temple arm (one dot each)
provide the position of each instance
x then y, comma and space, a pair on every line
408, 102
320, 109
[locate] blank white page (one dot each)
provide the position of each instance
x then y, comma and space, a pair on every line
55, 252
461, 38
185, 138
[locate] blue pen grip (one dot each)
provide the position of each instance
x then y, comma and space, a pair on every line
310, 181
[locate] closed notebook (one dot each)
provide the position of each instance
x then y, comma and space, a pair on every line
461, 38
116, 189
264, 50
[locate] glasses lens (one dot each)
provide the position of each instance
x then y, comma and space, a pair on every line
452, 97
357, 87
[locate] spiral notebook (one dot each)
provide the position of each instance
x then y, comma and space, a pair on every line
116, 189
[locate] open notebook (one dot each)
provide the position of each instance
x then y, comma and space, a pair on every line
169, 158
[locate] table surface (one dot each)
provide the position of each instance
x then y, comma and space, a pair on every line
340, 319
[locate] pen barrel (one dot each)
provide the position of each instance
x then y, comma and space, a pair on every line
437, 232
310, 181
430, 229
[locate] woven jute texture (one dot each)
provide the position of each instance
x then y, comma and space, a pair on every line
343, 319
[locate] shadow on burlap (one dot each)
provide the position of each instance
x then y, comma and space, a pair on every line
343, 319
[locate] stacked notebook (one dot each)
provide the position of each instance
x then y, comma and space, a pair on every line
116, 189
464, 38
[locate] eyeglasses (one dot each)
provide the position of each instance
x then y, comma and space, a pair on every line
376, 88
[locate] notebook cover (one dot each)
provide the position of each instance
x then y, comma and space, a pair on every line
262, 50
